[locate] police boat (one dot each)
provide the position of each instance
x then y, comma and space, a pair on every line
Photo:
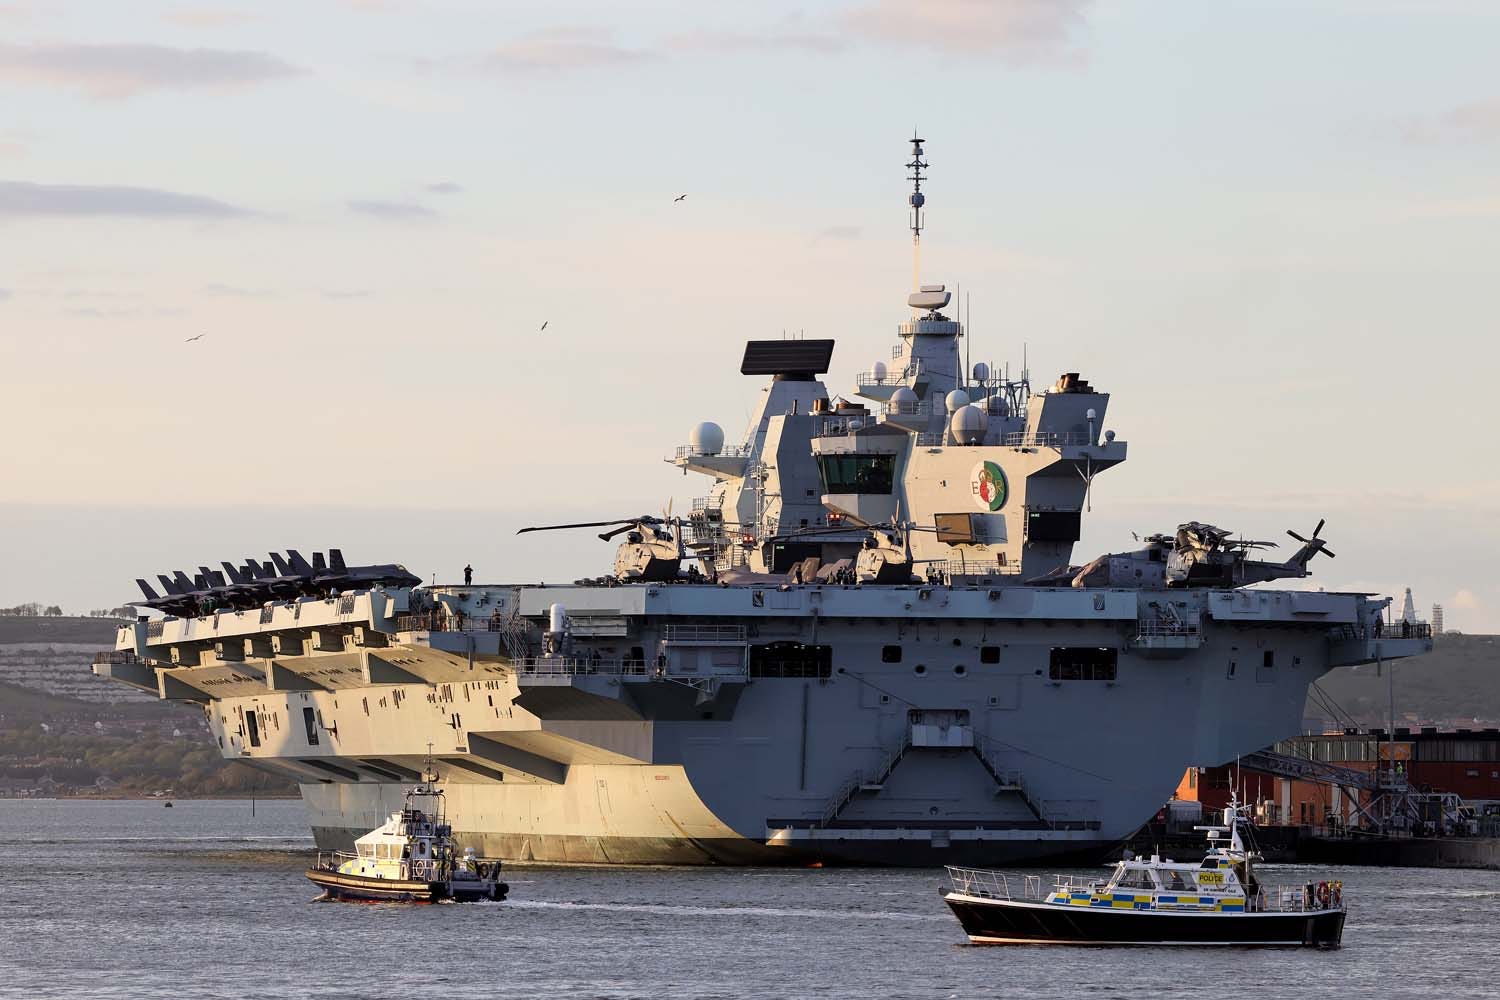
410, 858
1153, 901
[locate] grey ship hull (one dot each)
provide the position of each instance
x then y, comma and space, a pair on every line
932, 725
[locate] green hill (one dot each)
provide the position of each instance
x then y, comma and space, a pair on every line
39, 628
1458, 683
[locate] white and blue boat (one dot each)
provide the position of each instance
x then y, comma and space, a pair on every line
1219, 900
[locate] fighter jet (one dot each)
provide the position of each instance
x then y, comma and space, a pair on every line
170, 604
337, 576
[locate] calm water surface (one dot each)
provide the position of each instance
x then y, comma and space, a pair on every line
129, 899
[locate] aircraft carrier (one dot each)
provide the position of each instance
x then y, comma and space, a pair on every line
868, 642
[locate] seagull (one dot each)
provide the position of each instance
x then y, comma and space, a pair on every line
678, 198
544, 324
191, 339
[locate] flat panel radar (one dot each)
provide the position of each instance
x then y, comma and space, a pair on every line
786, 357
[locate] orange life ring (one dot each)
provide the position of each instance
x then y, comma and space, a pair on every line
1324, 893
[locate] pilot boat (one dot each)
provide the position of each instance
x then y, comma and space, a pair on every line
1219, 900
410, 858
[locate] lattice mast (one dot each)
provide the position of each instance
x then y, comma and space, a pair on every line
916, 200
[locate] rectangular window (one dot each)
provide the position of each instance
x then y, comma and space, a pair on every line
310, 722
890, 654
865, 474
1269, 659
252, 724
989, 654
1083, 663
791, 659
1054, 525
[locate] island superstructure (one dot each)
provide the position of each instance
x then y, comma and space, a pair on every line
867, 643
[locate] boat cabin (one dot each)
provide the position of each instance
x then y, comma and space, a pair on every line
411, 844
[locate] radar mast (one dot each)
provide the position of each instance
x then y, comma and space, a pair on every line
916, 200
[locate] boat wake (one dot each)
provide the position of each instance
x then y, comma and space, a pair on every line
724, 911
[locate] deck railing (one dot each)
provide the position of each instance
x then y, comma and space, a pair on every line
1045, 439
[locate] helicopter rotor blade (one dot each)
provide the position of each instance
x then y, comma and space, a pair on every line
580, 524
1318, 530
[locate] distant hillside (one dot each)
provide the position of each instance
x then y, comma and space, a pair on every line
96, 631
1457, 683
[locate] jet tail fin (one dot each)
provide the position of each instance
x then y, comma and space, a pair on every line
151, 595
235, 576
169, 585
280, 564
336, 560
319, 566
299, 565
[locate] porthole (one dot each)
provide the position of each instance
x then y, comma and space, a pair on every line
919, 669
959, 670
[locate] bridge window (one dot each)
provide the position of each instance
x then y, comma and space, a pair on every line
791, 659
1083, 663
1054, 525
857, 473
890, 654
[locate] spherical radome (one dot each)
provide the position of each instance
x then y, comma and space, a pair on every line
969, 424
956, 400
981, 372
880, 371
904, 400
707, 438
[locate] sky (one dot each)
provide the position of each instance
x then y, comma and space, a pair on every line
1268, 229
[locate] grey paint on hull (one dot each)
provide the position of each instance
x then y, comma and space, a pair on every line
917, 851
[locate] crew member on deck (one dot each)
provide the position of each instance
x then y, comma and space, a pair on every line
468, 575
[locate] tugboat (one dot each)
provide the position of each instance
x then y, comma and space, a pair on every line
1155, 901
410, 859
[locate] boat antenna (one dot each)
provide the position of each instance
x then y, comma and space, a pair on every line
916, 200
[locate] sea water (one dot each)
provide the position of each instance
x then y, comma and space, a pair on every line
207, 899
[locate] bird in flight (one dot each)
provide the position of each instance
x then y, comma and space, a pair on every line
544, 324
678, 198
191, 339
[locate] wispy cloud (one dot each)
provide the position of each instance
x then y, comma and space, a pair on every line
235, 291
1019, 30
22, 198
774, 39
1475, 122
562, 49
113, 71
207, 17
395, 210
445, 187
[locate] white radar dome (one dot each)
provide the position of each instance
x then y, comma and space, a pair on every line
904, 400
969, 424
981, 372
707, 438
880, 371
957, 400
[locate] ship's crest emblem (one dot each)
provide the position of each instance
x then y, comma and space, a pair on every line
989, 486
